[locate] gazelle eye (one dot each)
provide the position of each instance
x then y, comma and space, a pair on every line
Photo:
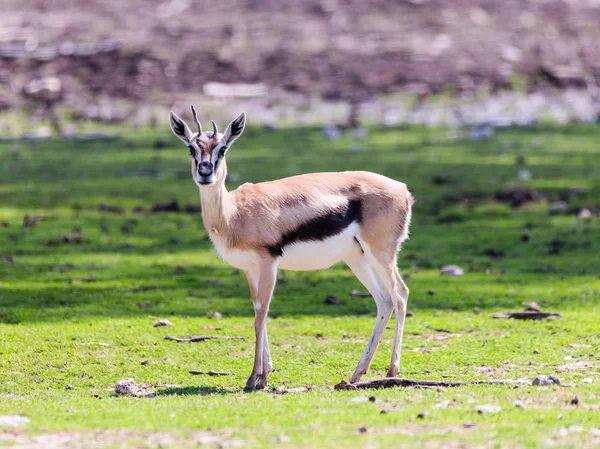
222, 151
192, 150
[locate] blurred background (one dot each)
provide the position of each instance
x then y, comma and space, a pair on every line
65, 63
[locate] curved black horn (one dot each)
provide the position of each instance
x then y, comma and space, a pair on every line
215, 129
196, 120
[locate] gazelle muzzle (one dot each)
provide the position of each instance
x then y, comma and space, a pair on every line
205, 169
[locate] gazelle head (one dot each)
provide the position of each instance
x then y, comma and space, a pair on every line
207, 149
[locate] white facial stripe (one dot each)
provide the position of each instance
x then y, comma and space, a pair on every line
194, 145
215, 155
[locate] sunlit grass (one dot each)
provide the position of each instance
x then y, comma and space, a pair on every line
77, 317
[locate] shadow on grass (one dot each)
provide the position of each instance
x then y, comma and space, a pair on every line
195, 391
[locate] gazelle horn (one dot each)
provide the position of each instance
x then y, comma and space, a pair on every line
196, 120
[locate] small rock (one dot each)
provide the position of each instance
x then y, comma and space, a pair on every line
431, 292
12, 420
330, 299
575, 401
542, 381
481, 132
358, 399
557, 207
524, 175
488, 408
525, 237
332, 133
519, 404
163, 323
422, 415
533, 307
372, 399
144, 362
215, 315
453, 270
587, 380
391, 410
584, 214
8, 259
362, 429
126, 386
520, 160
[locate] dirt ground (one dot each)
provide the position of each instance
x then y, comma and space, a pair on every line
142, 50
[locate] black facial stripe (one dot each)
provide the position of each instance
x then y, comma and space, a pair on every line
220, 155
320, 228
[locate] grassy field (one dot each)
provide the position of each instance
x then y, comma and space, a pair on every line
84, 278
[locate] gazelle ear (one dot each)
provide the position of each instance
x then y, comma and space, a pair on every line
235, 129
179, 128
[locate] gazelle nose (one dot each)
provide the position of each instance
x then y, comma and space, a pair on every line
205, 168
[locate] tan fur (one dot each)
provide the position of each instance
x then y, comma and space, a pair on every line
259, 214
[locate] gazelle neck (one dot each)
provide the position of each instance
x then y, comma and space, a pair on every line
217, 204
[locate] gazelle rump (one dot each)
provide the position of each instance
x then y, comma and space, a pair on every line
306, 222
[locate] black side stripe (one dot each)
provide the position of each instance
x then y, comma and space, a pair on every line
320, 228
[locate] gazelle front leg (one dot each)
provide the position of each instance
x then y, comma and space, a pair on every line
261, 288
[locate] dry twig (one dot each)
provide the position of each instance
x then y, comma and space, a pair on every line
201, 338
210, 373
530, 315
390, 382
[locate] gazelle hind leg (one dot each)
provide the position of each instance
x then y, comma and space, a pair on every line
367, 276
384, 262
400, 304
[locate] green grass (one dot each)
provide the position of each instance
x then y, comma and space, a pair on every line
77, 317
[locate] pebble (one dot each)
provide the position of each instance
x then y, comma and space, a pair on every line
557, 206
524, 175
488, 408
125, 386
584, 214
332, 133
163, 323
533, 307
12, 420
481, 132
453, 270
542, 381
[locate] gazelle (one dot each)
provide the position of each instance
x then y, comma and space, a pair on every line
306, 222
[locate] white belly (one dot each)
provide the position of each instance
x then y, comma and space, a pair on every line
244, 260
316, 255
311, 255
